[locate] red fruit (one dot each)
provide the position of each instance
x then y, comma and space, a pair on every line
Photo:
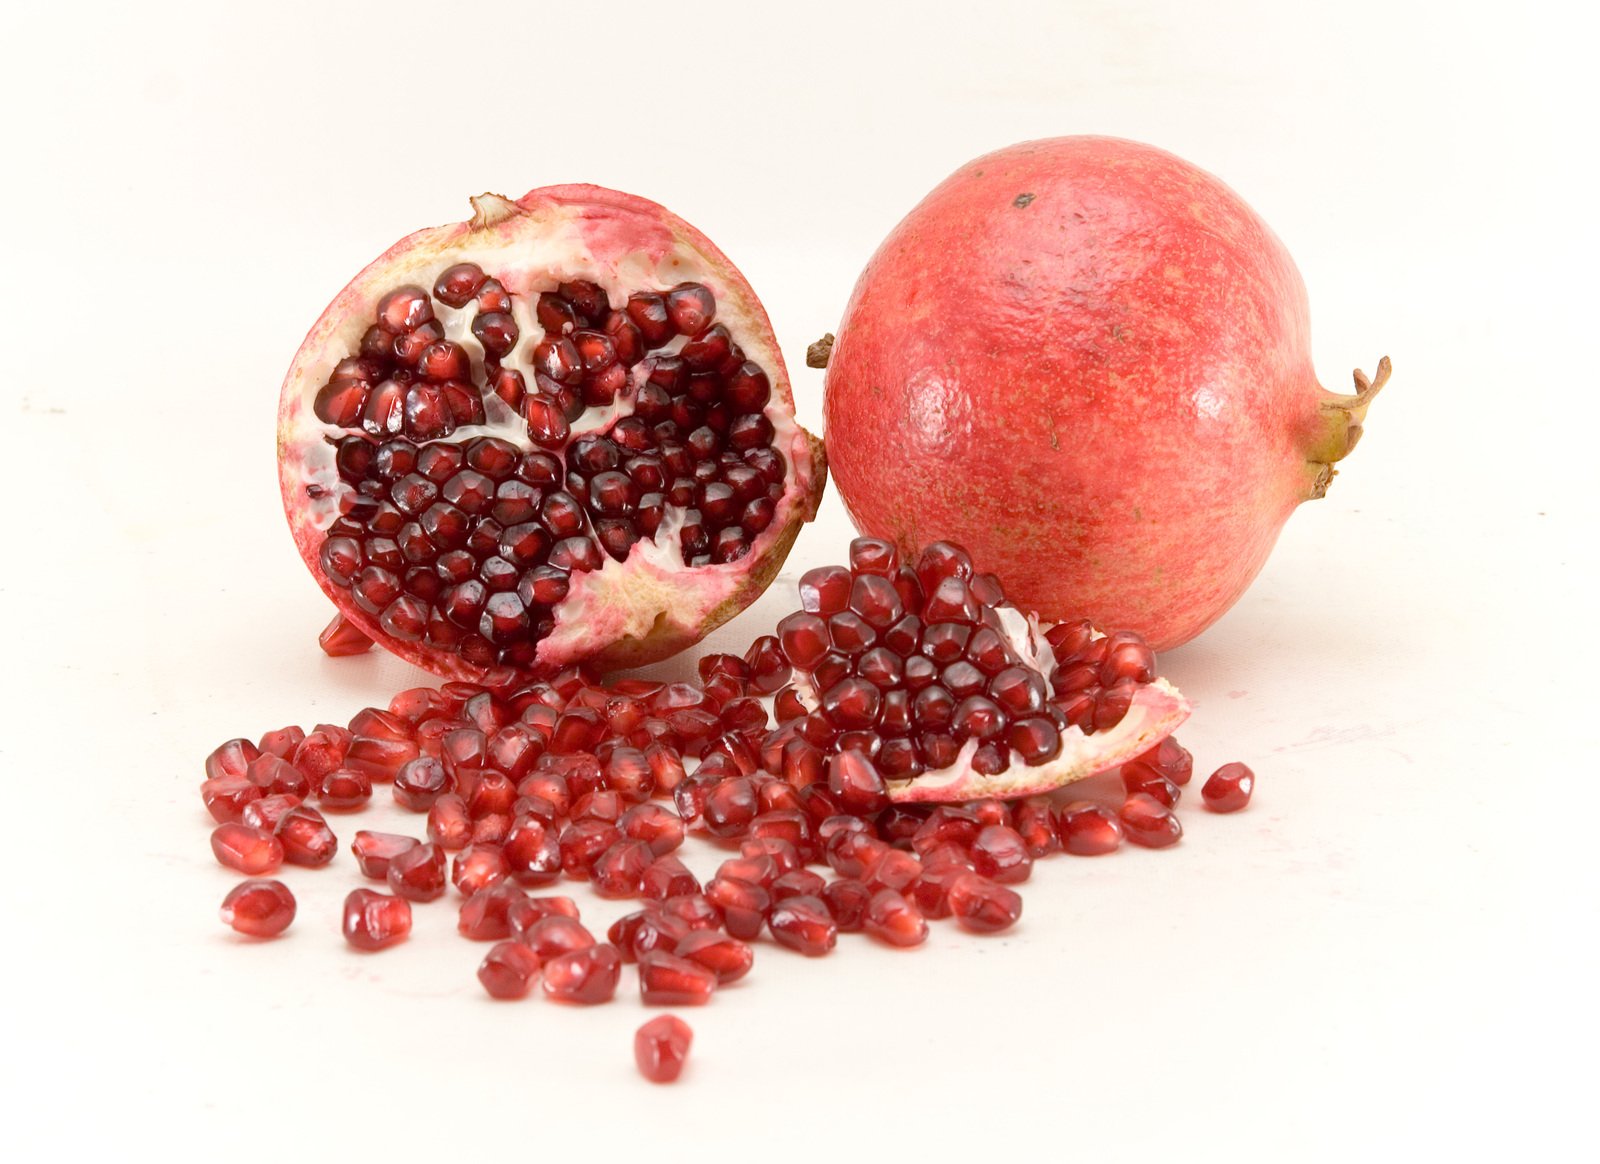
418, 873
306, 837
726, 957
1088, 829
477, 867
1171, 759
508, 970
480, 556
1001, 854
249, 850
374, 851
892, 919
804, 924
555, 934
375, 921
1137, 466
586, 976
259, 908
486, 915
668, 980
1227, 789
981, 905
1148, 822
660, 1048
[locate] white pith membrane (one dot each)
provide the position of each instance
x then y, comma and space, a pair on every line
652, 603
1157, 709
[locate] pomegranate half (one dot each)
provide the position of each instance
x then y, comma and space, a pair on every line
1087, 361
560, 432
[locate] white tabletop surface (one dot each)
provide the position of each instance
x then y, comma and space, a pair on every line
1390, 952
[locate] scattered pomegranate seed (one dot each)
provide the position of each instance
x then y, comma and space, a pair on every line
983, 906
728, 958
668, 980
586, 976
803, 924
373, 851
418, 873
306, 837
375, 921
1228, 789
1148, 822
259, 908
1088, 829
892, 919
508, 969
661, 1047
249, 850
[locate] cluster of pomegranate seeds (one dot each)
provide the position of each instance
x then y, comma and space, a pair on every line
517, 788
907, 665
641, 419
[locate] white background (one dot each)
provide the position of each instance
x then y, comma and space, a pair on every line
1391, 951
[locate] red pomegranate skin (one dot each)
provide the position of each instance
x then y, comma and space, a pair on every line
1088, 361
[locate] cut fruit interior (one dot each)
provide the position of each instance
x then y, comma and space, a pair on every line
950, 692
561, 432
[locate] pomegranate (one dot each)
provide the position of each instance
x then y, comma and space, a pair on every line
1087, 361
559, 432
919, 681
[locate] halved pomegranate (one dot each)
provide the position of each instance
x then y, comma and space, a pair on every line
920, 682
560, 432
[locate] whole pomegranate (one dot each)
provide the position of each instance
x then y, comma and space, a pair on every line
1087, 361
558, 433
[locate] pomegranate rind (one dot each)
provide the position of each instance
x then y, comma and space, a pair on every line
1157, 710
626, 614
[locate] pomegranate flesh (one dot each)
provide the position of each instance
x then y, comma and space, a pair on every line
917, 680
560, 432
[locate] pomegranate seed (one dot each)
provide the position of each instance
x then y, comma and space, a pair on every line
851, 854
226, 797
232, 758
1000, 854
375, 921
527, 912
373, 851
555, 934
847, 900
931, 891
893, 869
249, 850
449, 825
341, 638
801, 882
1088, 829
258, 908
344, 790
1037, 824
486, 915
668, 980
419, 783
418, 873
660, 1048
726, 957
803, 924
855, 781
620, 870
1138, 776
1171, 759
947, 824
507, 970
892, 919
306, 837
744, 906
1228, 789
1148, 822
804, 639
981, 905
695, 910
668, 877
268, 811
277, 776
584, 977
477, 867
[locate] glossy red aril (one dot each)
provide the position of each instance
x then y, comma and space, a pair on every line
249, 850
1148, 822
669, 980
892, 919
1228, 789
258, 908
727, 957
375, 921
1088, 829
1139, 483
496, 473
982, 905
419, 873
374, 851
508, 970
306, 837
586, 977
661, 1047
486, 915
803, 924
